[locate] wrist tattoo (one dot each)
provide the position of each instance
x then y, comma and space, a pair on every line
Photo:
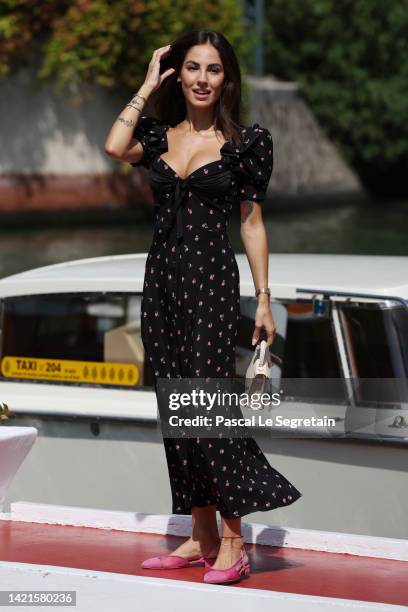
247, 208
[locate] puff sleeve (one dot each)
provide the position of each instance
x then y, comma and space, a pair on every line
151, 133
256, 164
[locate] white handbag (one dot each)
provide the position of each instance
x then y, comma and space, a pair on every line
259, 371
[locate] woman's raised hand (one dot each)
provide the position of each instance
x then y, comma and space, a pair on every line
153, 78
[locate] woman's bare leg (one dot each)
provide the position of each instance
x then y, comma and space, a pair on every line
204, 539
231, 543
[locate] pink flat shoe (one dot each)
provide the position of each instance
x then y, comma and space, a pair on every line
176, 562
234, 573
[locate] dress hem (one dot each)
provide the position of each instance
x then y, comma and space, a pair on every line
187, 511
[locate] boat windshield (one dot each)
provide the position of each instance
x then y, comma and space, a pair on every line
377, 340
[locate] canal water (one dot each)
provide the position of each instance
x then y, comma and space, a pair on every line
363, 229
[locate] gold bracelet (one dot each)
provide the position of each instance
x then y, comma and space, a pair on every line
138, 94
263, 290
134, 106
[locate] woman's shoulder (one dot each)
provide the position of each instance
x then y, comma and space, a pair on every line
255, 141
255, 135
148, 123
252, 161
151, 132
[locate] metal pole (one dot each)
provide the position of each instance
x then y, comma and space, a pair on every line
253, 16
259, 46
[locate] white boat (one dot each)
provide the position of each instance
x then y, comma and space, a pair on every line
84, 469
72, 366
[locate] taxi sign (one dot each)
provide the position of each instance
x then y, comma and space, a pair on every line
70, 371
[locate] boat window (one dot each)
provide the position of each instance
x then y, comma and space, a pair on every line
310, 347
75, 338
376, 339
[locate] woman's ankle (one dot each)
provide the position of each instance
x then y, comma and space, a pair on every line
208, 544
206, 536
232, 541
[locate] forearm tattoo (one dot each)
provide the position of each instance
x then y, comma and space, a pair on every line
247, 208
127, 122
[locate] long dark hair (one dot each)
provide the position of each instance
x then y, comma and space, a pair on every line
169, 102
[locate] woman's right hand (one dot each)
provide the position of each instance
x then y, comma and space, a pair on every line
153, 78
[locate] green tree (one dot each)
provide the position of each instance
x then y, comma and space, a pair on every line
350, 58
106, 42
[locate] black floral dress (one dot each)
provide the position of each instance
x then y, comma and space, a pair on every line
190, 312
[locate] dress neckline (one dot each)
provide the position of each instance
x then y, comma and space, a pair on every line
204, 166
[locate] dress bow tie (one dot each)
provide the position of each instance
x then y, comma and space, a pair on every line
179, 201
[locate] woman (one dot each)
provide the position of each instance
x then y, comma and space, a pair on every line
202, 164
